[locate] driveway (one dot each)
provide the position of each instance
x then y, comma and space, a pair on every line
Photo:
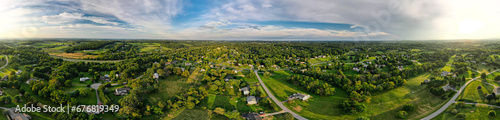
280, 104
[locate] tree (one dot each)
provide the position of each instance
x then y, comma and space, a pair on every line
497, 78
362, 118
460, 115
408, 107
185, 73
354, 95
401, 114
454, 111
220, 111
190, 105
492, 113
483, 76
232, 114
67, 83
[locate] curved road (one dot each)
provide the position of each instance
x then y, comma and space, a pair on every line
280, 104
452, 100
7, 58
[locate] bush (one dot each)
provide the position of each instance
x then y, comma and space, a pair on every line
408, 107
492, 113
460, 115
454, 111
362, 118
401, 114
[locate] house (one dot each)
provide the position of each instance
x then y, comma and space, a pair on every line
454, 75
473, 61
496, 91
401, 68
447, 87
84, 79
355, 69
122, 91
445, 73
235, 71
187, 64
300, 96
183, 69
104, 78
202, 70
426, 81
5, 78
117, 75
1, 93
156, 76
19, 72
251, 100
245, 90
251, 116
228, 78
168, 63
18, 116
303, 70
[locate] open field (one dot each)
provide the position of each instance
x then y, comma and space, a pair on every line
78, 60
384, 104
167, 88
471, 113
472, 94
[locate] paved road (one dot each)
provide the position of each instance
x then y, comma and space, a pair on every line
7, 58
452, 100
96, 86
280, 104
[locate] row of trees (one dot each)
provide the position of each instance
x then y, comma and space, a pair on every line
312, 85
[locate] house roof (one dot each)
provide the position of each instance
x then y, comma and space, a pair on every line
251, 98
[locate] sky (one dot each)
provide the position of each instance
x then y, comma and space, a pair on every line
251, 19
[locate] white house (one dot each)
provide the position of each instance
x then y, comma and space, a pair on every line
245, 90
156, 76
84, 79
122, 91
300, 96
251, 100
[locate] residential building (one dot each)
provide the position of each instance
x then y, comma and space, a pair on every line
122, 91
156, 76
251, 100
245, 90
300, 96
84, 79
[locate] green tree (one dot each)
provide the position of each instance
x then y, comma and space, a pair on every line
408, 107
483, 76
220, 111
454, 111
401, 114
354, 95
232, 114
362, 118
492, 113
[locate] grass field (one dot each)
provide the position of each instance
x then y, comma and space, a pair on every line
384, 105
90, 99
193, 114
168, 88
472, 94
478, 113
318, 60
318, 107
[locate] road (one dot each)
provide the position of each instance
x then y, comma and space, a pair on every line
6, 58
272, 114
280, 104
452, 100
96, 86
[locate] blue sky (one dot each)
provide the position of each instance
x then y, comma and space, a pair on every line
250, 19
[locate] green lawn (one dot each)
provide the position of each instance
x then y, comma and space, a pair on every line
478, 113
168, 87
472, 94
193, 114
318, 107
90, 99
